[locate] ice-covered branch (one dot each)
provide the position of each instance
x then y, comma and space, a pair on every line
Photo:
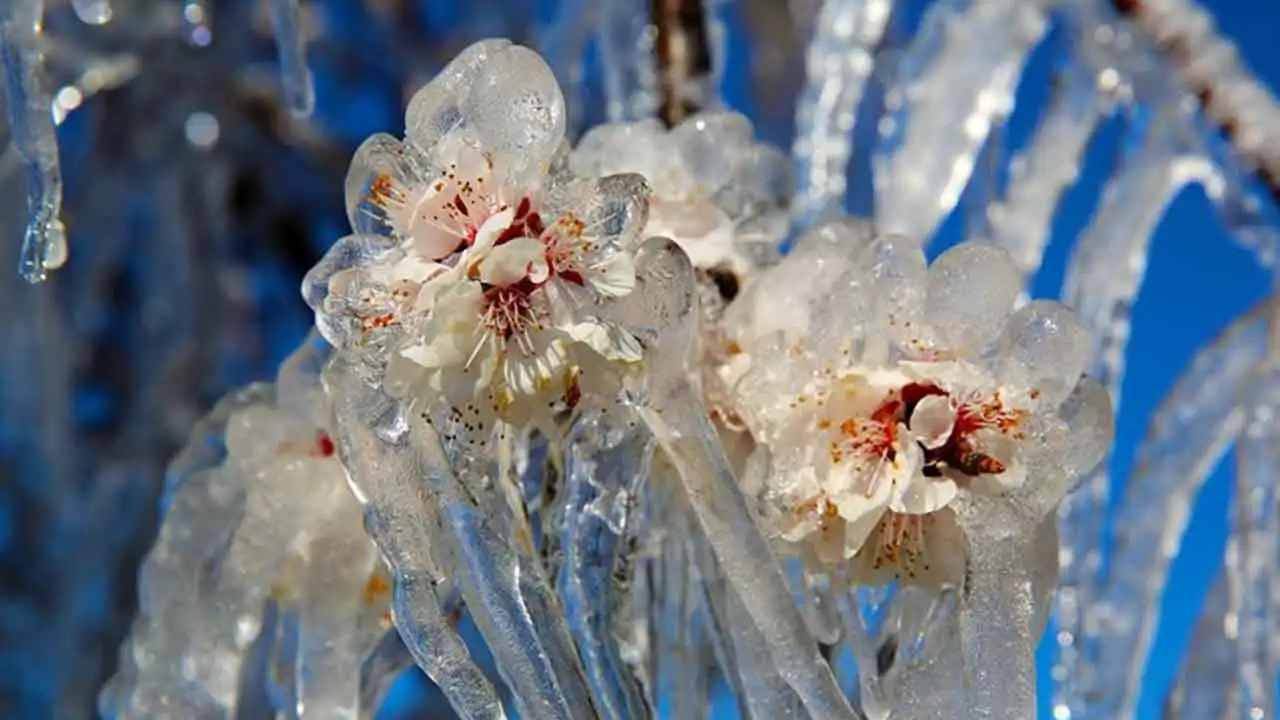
1207, 683
839, 62
1188, 435
606, 469
949, 91
1039, 176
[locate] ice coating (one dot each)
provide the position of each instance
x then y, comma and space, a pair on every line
186, 657
926, 439
871, 445
609, 593
479, 261
29, 108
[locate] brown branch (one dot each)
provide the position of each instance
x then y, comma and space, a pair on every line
1179, 51
683, 56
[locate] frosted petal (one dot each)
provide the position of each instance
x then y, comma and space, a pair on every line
897, 281
345, 287
622, 148
382, 156
714, 146
436, 108
1045, 349
1091, 426
517, 112
972, 287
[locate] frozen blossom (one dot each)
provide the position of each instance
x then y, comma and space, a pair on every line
481, 265
579, 395
720, 194
933, 393
274, 521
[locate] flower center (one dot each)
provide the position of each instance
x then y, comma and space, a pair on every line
525, 223
945, 431
899, 540
508, 312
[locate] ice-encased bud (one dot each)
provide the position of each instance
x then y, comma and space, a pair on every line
714, 147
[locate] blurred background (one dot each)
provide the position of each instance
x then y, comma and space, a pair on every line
195, 202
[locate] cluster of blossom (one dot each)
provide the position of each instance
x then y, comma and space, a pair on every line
888, 396
892, 423
258, 514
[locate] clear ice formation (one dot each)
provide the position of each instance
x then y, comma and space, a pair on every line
577, 393
291, 44
838, 65
30, 114
230, 548
947, 94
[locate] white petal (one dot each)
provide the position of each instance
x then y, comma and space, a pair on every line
860, 514
416, 269
614, 275
430, 289
510, 263
925, 495
609, 340
488, 233
404, 370
534, 373
932, 421
454, 329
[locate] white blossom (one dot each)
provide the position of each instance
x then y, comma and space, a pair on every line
884, 406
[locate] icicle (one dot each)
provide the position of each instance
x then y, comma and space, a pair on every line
741, 650
606, 467
893, 633
373, 438
950, 90
674, 411
839, 61
1187, 436
684, 659
1206, 684
291, 45
1255, 538
30, 113
998, 616
489, 545
1021, 223
626, 47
